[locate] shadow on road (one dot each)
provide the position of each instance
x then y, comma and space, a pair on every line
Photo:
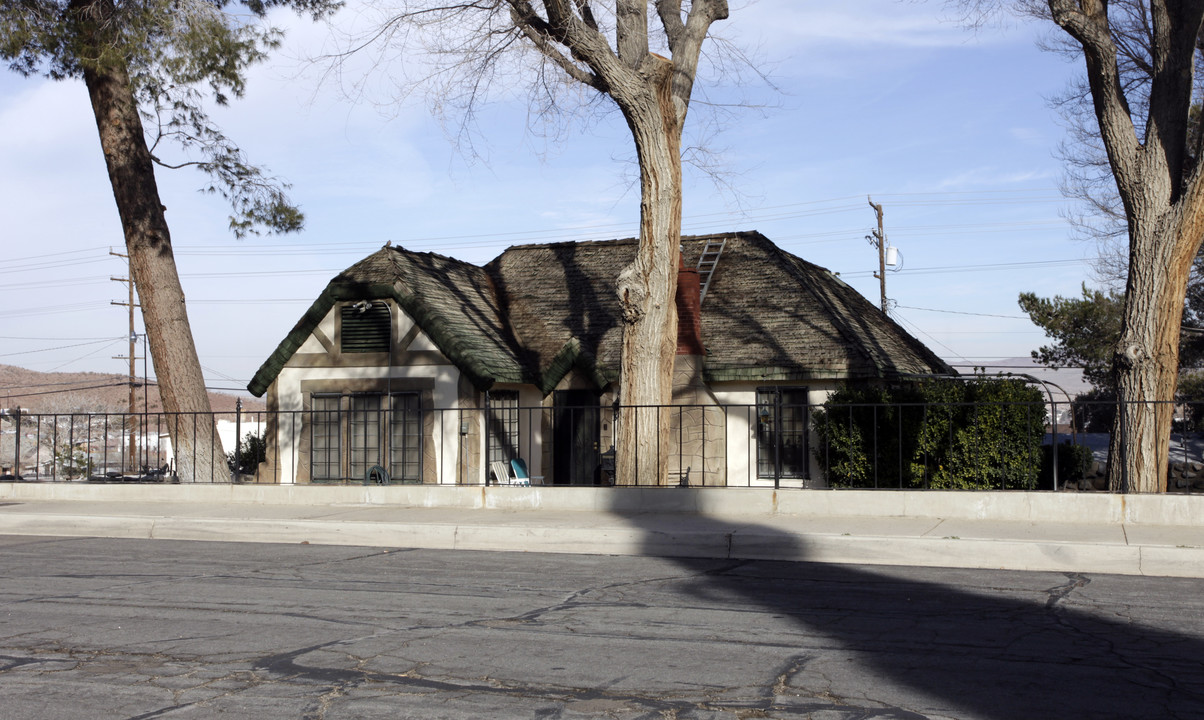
1007, 653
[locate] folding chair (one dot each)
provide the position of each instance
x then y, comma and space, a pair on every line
521, 476
500, 471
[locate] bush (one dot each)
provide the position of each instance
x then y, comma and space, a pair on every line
252, 451
1191, 393
1074, 462
1095, 410
974, 434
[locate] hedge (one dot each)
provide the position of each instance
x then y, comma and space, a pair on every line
945, 434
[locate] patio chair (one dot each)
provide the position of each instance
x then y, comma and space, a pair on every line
521, 476
500, 470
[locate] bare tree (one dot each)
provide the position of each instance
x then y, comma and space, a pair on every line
1142, 91
609, 48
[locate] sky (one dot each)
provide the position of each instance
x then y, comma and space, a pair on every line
948, 128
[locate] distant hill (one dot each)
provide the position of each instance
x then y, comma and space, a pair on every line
40, 392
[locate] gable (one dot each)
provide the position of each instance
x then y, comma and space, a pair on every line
450, 302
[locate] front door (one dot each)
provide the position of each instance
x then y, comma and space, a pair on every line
575, 457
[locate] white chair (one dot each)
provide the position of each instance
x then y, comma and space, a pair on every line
500, 470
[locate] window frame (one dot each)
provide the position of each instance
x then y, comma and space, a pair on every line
326, 417
777, 422
412, 427
504, 426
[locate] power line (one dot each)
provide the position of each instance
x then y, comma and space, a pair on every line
11, 337
62, 347
59, 392
917, 328
50, 255
961, 312
40, 385
977, 268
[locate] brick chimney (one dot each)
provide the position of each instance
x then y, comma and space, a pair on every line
689, 311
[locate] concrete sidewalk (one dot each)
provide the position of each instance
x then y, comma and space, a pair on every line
975, 531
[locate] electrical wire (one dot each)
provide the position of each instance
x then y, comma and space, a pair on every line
975, 268
962, 312
110, 341
59, 392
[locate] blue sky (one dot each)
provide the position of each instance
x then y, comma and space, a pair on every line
947, 128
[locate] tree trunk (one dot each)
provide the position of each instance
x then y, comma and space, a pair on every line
197, 449
647, 289
1146, 359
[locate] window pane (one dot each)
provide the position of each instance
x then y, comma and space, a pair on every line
782, 433
503, 426
325, 438
405, 439
365, 434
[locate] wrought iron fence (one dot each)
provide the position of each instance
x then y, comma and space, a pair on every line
780, 441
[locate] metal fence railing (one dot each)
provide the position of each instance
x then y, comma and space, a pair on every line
778, 442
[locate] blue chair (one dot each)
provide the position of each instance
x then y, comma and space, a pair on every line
521, 476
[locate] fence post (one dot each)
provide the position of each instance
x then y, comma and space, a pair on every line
900, 447
1122, 408
1054, 440
17, 444
777, 439
874, 407
237, 440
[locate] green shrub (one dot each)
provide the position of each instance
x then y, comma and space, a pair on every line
1074, 461
252, 451
955, 434
1095, 410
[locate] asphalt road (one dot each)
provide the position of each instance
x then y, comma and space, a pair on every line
160, 629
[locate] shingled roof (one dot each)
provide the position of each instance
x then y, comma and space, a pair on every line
537, 311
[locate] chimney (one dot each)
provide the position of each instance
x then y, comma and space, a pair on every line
689, 311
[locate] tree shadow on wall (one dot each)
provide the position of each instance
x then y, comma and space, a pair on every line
1001, 656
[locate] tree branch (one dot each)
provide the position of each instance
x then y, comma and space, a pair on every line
669, 12
1173, 43
688, 46
631, 31
543, 42
1087, 22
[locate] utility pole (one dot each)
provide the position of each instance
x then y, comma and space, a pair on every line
133, 356
878, 239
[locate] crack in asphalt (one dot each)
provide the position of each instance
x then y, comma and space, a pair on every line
336, 683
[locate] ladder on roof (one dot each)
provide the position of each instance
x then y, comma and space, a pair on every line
707, 262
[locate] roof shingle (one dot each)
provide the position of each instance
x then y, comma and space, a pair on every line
537, 311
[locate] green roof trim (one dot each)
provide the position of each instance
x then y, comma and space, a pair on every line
571, 356
455, 347
782, 374
292, 342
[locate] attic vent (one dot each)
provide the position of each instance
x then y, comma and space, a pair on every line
365, 327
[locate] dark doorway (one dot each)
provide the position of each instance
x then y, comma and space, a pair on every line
575, 455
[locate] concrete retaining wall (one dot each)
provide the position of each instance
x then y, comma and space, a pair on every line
1182, 510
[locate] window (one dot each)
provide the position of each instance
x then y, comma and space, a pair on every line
351, 434
405, 439
503, 425
782, 433
325, 434
365, 434
365, 327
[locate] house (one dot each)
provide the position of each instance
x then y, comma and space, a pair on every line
433, 370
